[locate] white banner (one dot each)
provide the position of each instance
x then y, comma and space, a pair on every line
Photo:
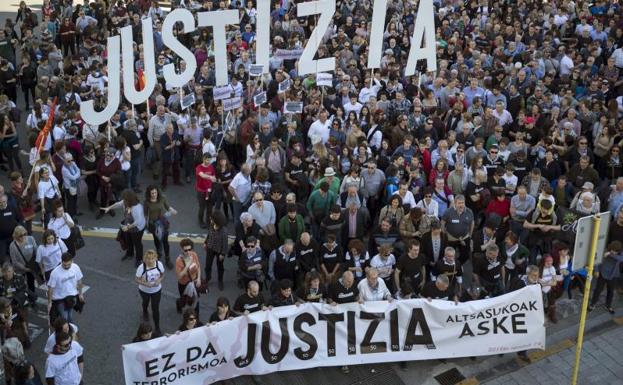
289, 54
324, 79
232, 104
314, 335
219, 93
293, 108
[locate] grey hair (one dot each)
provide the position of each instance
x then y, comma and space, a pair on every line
245, 216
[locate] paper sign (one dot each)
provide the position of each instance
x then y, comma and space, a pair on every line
289, 54
256, 70
284, 85
220, 93
230, 121
293, 108
232, 103
188, 101
259, 99
324, 79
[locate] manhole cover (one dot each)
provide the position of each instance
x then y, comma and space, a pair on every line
450, 377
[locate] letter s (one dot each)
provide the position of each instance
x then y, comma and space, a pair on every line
87, 111
306, 63
187, 19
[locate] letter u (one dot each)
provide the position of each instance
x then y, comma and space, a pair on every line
129, 90
87, 110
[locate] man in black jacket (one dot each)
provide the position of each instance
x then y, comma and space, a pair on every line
9, 219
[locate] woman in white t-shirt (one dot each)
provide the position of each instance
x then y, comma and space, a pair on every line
62, 223
384, 262
549, 281
47, 192
123, 153
49, 253
149, 275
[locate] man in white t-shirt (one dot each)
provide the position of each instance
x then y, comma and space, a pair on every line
66, 363
320, 127
65, 287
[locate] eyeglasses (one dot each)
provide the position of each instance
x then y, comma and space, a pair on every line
188, 250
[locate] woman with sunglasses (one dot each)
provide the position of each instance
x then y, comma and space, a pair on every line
190, 321
187, 270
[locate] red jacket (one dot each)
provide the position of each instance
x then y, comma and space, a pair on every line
501, 208
204, 185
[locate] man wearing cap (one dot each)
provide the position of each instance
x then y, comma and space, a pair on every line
332, 180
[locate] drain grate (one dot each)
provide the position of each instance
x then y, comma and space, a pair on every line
450, 377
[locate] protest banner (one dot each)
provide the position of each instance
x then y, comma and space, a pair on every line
188, 101
284, 85
220, 93
232, 103
122, 46
293, 108
289, 54
315, 335
256, 70
259, 99
324, 79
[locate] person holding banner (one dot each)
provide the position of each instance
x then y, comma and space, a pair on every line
250, 301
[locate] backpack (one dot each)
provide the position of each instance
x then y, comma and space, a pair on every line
145, 268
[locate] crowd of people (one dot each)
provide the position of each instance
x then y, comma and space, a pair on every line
384, 187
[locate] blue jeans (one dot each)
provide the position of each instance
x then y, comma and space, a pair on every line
65, 313
136, 165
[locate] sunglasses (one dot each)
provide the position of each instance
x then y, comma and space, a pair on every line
188, 250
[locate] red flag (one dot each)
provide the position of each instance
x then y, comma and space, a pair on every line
140, 84
43, 134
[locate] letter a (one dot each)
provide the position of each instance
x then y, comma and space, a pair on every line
129, 90
424, 28
87, 111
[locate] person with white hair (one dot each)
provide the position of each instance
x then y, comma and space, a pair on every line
587, 204
372, 288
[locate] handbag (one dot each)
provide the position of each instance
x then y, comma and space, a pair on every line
76, 234
202, 288
32, 265
122, 241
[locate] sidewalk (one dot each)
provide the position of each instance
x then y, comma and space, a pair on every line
602, 363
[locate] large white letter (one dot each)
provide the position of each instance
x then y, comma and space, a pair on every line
127, 44
218, 20
424, 28
262, 34
307, 64
376, 33
174, 79
87, 112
